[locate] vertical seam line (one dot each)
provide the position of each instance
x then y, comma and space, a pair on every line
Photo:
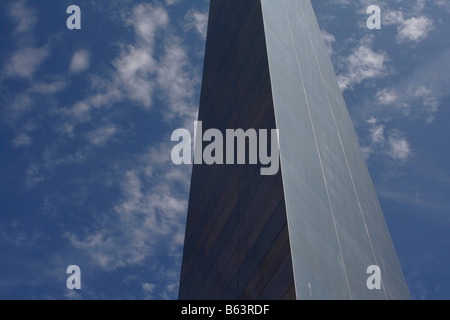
343, 150
318, 150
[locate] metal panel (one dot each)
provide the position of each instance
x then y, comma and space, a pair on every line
336, 226
236, 244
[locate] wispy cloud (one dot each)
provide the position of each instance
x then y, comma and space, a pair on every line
198, 21
80, 61
23, 15
387, 96
362, 64
415, 29
48, 87
136, 65
147, 219
151, 68
413, 199
101, 135
420, 94
329, 41
21, 140
387, 142
398, 147
25, 62
141, 73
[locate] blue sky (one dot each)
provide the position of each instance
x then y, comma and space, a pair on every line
86, 118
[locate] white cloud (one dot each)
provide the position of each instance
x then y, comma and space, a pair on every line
48, 88
149, 289
27, 58
412, 25
33, 176
80, 61
363, 63
146, 20
421, 92
19, 107
140, 72
100, 136
329, 41
391, 143
135, 67
147, 219
399, 147
72, 295
415, 29
175, 82
25, 62
198, 21
387, 96
22, 140
376, 137
377, 134
134, 70
24, 16
393, 17
171, 2
442, 4
14, 234
430, 101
